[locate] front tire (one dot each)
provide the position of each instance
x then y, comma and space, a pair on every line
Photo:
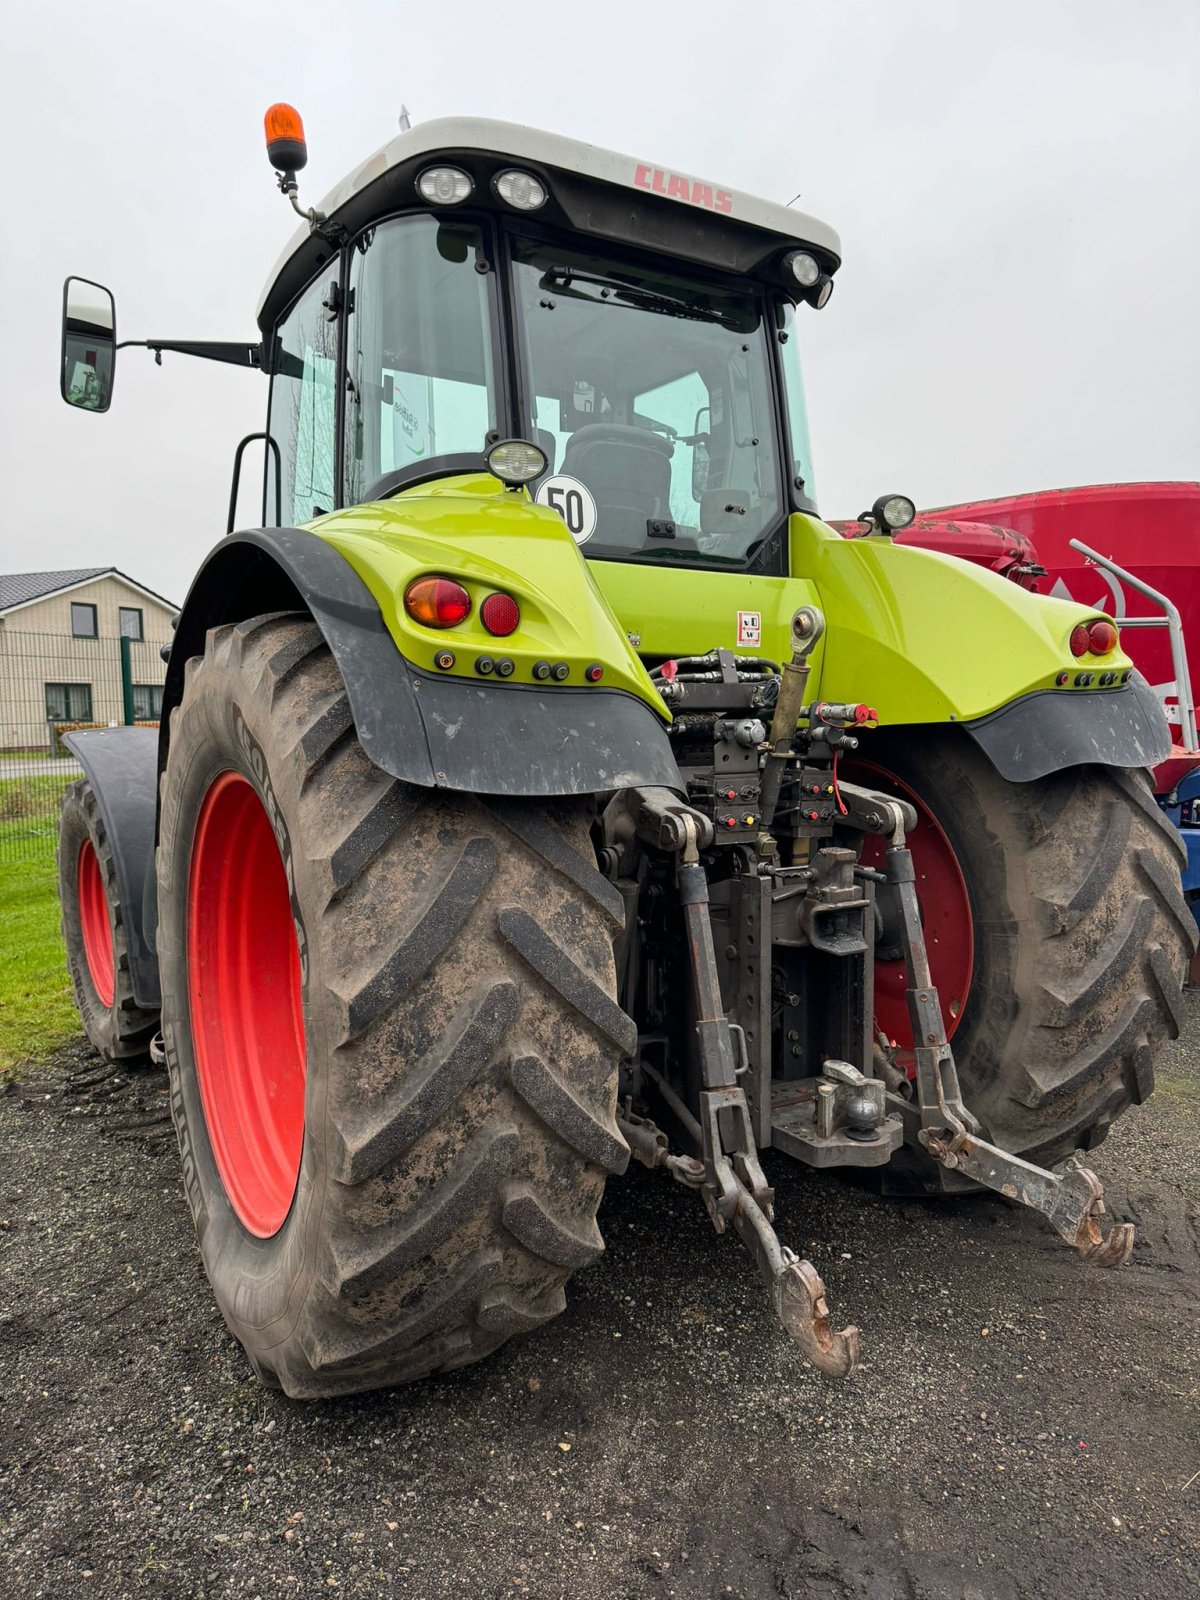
1081, 938
429, 978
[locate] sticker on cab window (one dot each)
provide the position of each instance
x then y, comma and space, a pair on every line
749, 629
573, 502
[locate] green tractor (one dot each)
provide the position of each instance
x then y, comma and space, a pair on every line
543, 784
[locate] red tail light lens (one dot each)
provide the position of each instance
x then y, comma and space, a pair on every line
437, 602
1102, 637
1080, 641
500, 615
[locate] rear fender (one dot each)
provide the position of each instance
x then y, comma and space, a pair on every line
425, 727
928, 638
122, 767
1045, 732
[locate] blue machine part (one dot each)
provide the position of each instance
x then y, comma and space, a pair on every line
1182, 806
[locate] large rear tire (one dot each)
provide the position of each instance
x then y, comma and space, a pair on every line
391, 1027
1078, 933
93, 928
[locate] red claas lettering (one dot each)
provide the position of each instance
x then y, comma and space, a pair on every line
676, 187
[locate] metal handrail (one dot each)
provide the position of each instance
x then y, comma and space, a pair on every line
1171, 620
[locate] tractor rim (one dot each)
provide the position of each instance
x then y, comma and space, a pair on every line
946, 911
94, 924
245, 996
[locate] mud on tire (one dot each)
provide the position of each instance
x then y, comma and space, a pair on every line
462, 1036
1082, 939
117, 1026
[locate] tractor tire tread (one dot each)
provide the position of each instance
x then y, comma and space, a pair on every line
460, 1173
123, 1031
1082, 949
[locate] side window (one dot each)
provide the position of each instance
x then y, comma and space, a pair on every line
302, 407
797, 413
419, 356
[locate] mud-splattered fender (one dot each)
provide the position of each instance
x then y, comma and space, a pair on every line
426, 729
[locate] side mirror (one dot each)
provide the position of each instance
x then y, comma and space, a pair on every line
89, 345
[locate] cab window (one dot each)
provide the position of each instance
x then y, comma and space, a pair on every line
653, 399
302, 407
419, 358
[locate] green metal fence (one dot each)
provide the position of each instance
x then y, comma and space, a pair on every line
50, 685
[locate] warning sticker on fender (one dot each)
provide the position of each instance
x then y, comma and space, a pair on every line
749, 629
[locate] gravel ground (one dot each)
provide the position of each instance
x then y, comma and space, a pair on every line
1022, 1427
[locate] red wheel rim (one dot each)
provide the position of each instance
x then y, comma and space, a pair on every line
94, 924
945, 909
246, 1001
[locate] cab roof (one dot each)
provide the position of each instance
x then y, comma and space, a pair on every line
596, 192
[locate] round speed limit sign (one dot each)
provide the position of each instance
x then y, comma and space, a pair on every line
573, 502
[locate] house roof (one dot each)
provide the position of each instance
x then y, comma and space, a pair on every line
23, 588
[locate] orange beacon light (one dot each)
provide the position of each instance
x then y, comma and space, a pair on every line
286, 149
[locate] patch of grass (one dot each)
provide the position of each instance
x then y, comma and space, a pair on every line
29, 815
37, 1010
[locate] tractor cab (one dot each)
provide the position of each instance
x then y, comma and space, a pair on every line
477, 281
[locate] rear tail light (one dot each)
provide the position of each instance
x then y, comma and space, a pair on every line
1102, 637
1098, 638
437, 602
500, 615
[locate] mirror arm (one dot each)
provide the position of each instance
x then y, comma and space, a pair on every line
238, 355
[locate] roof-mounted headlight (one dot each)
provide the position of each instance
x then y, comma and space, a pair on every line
803, 268
815, 285
444, 186
521, 190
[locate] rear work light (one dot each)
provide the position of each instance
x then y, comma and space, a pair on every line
500, 615
521, 190
444, 186
1102, 636
437, 602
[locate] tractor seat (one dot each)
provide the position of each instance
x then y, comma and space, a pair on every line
628, 471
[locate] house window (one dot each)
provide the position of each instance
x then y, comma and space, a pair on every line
147, 701
130, 621
83, 620
69, 702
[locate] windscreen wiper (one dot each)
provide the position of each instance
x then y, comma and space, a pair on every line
572, 284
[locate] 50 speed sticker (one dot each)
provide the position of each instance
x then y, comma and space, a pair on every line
574, 503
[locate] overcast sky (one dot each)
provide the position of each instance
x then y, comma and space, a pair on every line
1014, 183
